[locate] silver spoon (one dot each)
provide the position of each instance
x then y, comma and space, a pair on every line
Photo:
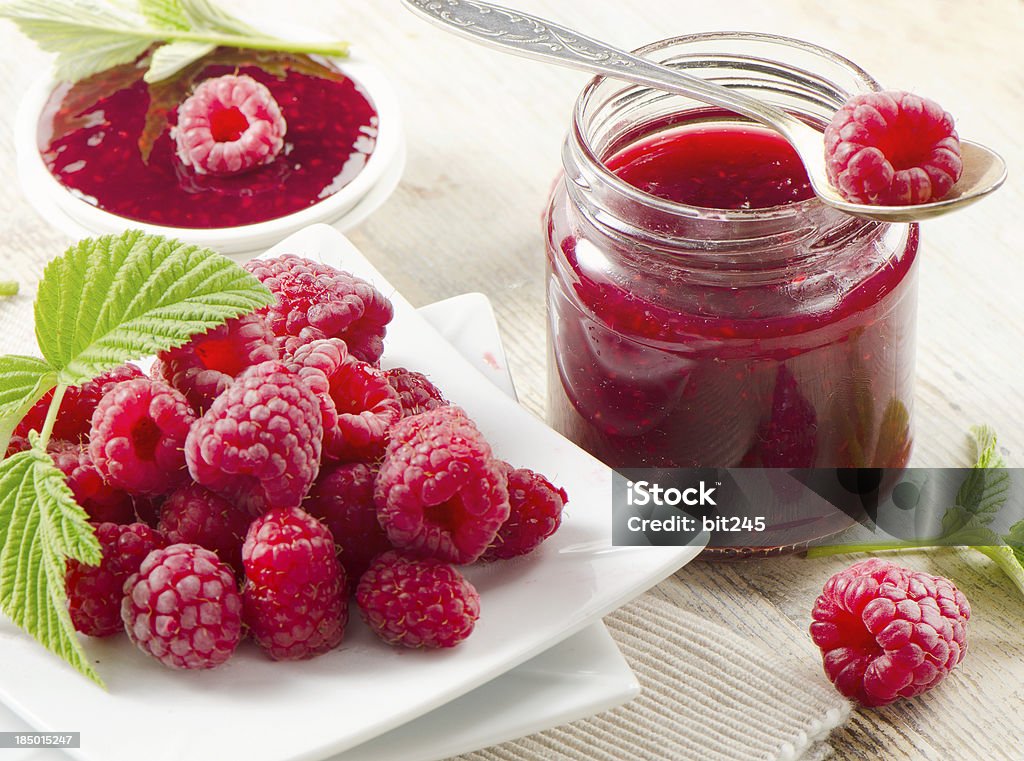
532, 37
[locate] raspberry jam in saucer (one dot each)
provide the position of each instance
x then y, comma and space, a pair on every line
108, 139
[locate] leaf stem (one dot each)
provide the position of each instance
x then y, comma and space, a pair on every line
846, 549
334, 49
8, 287
51, 414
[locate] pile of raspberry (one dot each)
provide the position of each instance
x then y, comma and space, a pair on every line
269, 469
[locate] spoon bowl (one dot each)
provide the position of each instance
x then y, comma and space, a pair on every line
522, 34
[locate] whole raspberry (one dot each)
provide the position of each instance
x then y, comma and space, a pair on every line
183, 608
76, 408
296, 603
789, 438
417, 603
342, 498
103, 502
138, 433
95, 592
230, 124
535, 514
317, 301
195, 515
439, 492
206, 365
259, 443
892, 148
887, 632
356, 401
415, 391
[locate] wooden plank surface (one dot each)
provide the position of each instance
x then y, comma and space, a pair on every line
484, 135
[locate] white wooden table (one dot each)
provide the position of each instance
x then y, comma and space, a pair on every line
484, 136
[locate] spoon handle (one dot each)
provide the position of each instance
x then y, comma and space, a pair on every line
533, 37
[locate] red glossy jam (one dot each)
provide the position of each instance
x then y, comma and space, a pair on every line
91, 137
751, 341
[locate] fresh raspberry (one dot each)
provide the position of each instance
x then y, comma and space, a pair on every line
440, 493
183, 608
206, 365
535, 514
195, 515
887, 632
343, 499
789, 439
103, 502
417, 603
230, 124
296, 603
17, 444
95, 592
138, 432
74, 420
892, 148
357, 403
415, 391
317, 301
259, 443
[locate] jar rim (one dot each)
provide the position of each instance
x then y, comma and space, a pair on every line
784, 211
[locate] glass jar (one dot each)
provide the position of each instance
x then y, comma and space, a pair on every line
684, 336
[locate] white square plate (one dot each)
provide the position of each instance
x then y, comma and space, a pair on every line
258, 710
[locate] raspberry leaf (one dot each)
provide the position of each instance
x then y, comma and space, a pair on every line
119, 297
41, 526
169, 59
23, 382
164, 14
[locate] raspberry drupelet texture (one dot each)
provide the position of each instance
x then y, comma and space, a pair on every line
318, 301
357, 403
206, 365
440, 492
342, 498
887, 632
183, 608
415, 391
892, 148
535, 514
76, 408
230, 124
195, 515
295, 598
95, 592
259, 444
103, 502
417, 603
138, 435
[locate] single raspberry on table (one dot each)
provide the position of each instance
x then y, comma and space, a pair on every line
195, 515
342, 498
259, 444
415, 391
318, 301
440, 492
893, 149
357, 403
296, 602
535, 514
183, 608
138, 432
230, 124
417, 603
74, 420
102, 501
94, 592
887, 632
206, 365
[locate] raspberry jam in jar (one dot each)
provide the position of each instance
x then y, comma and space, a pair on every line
704, 308
108, 140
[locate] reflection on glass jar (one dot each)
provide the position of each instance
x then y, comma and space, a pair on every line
704, 309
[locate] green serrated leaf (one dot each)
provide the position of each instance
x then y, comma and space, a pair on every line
169, 59
986, 488
41, 526
23, 382
164, 14
986, 450
111, 299
205, 15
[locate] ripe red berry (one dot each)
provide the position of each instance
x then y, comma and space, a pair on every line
415, 391
535, 514
195, 515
